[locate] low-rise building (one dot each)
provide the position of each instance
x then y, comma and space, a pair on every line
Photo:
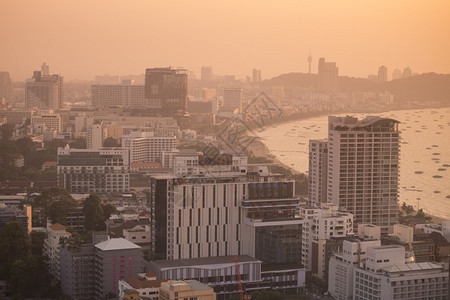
186, 289
386, 275
100, 171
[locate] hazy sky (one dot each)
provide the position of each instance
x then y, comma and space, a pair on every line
83, 38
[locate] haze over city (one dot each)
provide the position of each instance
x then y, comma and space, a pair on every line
81, 39
224, 150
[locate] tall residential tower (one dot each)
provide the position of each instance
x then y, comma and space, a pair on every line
363, 168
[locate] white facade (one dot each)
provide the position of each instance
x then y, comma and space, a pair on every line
82, 123
322, 223
118, 95
95, 137
51, 248
318, 171
138, 235
146, 147
369, 231
100, 171
217, 212
385, 275
363, 169
50, 121
340, 280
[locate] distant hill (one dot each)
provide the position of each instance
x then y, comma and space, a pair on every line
427, 86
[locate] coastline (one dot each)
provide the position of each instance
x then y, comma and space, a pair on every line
259, 149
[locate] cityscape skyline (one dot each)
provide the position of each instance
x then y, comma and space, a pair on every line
278, 43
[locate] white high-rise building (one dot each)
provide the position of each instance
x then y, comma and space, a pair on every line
226, 210
95, 136
126, 94
385, 275
340, 280
101, 171
321, 223
318, 171
146, 147
363, 169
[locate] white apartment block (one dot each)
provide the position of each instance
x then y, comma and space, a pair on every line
146, 147
124, 94
363, 168
50, 121
51, 248
386, 275
218, 212
318, 171
101, 171
183, 162
340, 280
95, 136
83, 122
321, 223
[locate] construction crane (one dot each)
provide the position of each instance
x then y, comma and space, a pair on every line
238, 273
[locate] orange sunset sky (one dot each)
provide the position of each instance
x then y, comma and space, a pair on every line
83, 38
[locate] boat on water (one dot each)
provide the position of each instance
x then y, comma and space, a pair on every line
435, 158
437, 176
417, 161
436, 153
446, 165
448, 197
437, 192
435, 146
418, 131
428, 148
418, 172
442, 169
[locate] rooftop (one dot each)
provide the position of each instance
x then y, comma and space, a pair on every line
144, 284
116, 244
411, 267
163, 264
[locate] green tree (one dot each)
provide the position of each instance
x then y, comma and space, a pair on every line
37, 242
25, 146
6, 131
93, 213
79, 143
14, 245
56, 203
111, 142
108, 210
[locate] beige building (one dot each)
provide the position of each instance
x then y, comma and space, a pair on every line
185, 289
51, 248
50, 121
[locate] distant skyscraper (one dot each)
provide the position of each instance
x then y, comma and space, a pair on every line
207, 73
328, 76
309, 63
44, 91
166, 91
382, 74
5, 86
256, 76
232, 97
407, 72
363, 168
318, 171
45, 69
397, 74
